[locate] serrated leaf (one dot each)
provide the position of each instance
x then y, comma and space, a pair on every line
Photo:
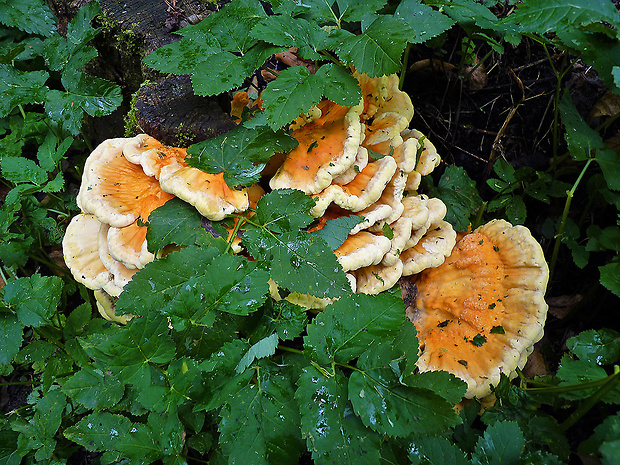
224, 71
219, 380
11, 332
183, 56
130, 351
389, 407
601, 347
353, 11
244, 434
263, 348
34, 298
292, 94
79, 30
22, 170
459, 193
516, 210
610, 277
94, 389
20, 87
339, 85
52, 150
283, 317
501, 444
378, 50
554, 15
175, 222
94, 96
575, 372
442, 383
166, 396
284, 210
608, 430
438, 451
32, 16
334, 434
424, 21
285, 31
104, 431
240, 154
337, 230
349, 325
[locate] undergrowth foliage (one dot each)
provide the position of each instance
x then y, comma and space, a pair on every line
212, 369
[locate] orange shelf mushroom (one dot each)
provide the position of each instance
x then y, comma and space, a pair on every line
479, 314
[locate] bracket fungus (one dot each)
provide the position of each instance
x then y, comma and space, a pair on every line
479, 314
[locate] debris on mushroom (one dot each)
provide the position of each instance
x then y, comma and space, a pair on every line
480, 312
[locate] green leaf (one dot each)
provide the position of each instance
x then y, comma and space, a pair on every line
337, 230
103, 431
389, 407
32, 16
284, 210
130, 351
240, 154
34, 298
501, 444
175, 222
94, 389
20, 87
424, 21
22, 170
11, 330
224, 71
263, 348
292, 94
438, 451
94, 96
555, 15
574, 372
442, 383
79, 30
459, 193
334, 434
260, 423
219, 380
349, 325
52, 150
378, 50
353, 11
285, 31
164, 397
339, 85
608, 430
282, 317
610, 277
516, 210
601, 347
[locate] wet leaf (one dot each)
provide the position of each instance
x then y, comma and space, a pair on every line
94, 389
501, 444
601, 347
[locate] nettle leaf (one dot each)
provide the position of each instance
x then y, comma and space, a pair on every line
610, 277
334, 434
166, 396
337, 230
11, 332
132, 349
34, 298
219, 380
285, 31
389, 407
458, 191
378, 50
284, 210
554, 15
224, 71
175, 222
574, 372
103, 431
442, 383
22, 170
183, 56
79, 30
217, 282
20, 87
261, 424
32, 16
240, 154
263, 348
349, 325
438, 451
601, 347
94, 389
424, 21
339, 85
94, 96
501, 444
353, 11
284, 318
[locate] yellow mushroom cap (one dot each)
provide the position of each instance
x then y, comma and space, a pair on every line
479, 312
327, 148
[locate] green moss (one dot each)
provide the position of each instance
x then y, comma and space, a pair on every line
132, 126
184, 137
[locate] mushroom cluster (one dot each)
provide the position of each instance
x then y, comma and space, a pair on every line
479, 314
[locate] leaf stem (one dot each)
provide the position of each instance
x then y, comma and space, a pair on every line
403, 69
610, 383
290, 349
560, 234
